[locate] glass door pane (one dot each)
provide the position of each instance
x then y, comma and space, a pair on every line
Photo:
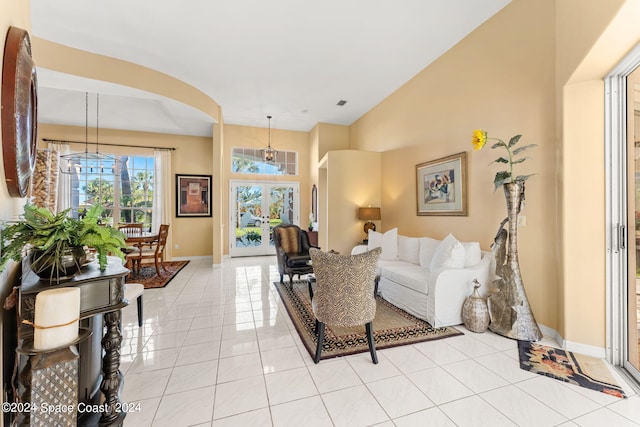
282, 206
633, 288
248, 217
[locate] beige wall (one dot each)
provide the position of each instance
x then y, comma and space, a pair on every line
218, 191
325, 137
612, 31
350, 179
281, 140
331, 138
193, 236
314, 157
500, 78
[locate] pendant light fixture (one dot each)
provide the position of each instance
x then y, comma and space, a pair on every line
269, 154
97, 162
105, 160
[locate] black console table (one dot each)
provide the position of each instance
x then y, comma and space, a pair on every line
101, 295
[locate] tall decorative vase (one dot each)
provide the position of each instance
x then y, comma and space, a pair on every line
509, 309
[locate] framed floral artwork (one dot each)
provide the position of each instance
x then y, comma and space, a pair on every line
442, 186
193, 195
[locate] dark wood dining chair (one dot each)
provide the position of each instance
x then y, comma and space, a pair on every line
154, 250
134, 228
131, 229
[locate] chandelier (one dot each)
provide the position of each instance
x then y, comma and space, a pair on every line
75, 163
269, 154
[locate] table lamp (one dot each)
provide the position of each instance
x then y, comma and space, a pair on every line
368, 214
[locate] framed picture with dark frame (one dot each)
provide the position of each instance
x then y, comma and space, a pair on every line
442, 186
193, 195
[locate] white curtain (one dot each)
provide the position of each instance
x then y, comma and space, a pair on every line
162, 194
64, 180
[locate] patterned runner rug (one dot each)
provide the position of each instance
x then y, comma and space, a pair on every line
392, 326
150, 279
569, 367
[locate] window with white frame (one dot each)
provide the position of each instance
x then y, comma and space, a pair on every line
125, 192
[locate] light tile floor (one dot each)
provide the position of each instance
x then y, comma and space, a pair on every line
217, 348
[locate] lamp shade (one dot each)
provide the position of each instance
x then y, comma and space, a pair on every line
369, 214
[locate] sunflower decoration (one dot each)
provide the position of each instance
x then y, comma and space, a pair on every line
479, 140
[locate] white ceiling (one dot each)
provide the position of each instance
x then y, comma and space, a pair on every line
291, 59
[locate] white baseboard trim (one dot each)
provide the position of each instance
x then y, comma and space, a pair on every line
576, 347
551, 333
588, 350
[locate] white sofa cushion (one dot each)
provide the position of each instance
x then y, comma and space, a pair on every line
472, 253
409, 275
428, 247
449, 254
383, 263
409, 249
387, 241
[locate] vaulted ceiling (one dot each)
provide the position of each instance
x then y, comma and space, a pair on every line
290, 59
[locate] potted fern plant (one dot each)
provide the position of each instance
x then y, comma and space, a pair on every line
56, 242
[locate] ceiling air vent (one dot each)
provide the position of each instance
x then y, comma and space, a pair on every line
341, 102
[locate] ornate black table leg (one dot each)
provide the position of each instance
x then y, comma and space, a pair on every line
111, 375
24, 378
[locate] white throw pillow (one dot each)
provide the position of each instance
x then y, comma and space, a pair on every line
428, 247
387, 241
449, 254
472, 253
409, 249
374, 240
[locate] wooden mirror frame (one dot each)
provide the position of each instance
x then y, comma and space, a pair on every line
19, 112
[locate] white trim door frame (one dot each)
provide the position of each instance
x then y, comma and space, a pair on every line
255, 207
618, 228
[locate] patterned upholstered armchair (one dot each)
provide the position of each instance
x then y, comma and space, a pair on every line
292, 249
344, 293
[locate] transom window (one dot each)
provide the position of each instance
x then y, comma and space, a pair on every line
249, 160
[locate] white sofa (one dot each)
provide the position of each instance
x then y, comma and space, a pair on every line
430, 278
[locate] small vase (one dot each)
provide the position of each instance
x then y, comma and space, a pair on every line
475, 313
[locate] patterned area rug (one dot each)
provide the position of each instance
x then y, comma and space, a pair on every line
392, 326
569, 367
150, 279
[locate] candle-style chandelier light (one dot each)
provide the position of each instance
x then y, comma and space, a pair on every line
94, 162
269, 154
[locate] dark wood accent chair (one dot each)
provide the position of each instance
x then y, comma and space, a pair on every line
292, 250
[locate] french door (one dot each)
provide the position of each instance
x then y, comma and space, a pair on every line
255, 208
622, 89
633, 204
